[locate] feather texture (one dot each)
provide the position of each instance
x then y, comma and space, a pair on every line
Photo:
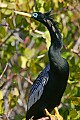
38, 86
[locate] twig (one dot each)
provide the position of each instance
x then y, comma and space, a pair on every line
21, 100
35, 5
77, 44
3, 25
28, 80
7, 64
75, 48
22, 70
39, 32
7, 84
76, 52
6, 38
6, 102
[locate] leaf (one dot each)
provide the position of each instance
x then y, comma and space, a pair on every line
23, 60
3, 5
1, 107
31, 4
1, 95
33, 25
18, 117
76, 101
41, 9
2, 32
18, 20
29, 53
11, 5
10, 22
6, 12
73, 113
61, 1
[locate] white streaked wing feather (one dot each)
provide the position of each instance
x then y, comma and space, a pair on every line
38, 86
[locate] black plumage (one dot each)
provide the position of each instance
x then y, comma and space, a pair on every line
48, 88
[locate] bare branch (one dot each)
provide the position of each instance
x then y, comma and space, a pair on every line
75, 48
28, 80
21, 100
77, 44
76, 52
35, 4
6, 38
7, 84
6, 102
7, 64
3, 25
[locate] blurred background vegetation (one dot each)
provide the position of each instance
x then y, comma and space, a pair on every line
24, 44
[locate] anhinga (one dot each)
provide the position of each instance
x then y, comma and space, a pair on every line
48, 88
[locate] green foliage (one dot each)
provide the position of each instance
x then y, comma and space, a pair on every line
24, 43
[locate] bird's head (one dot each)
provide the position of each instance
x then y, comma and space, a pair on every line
48, 21
41, 17
38, 16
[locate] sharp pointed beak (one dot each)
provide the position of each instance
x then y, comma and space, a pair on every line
24, 14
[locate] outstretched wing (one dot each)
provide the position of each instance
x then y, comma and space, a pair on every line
38, 86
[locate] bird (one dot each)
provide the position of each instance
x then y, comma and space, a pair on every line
48, 88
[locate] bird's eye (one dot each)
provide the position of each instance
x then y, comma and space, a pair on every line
35, 15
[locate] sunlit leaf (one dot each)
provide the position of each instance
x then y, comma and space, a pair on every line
1, 107
31, 4
76, 100
3, 5
23, 61
1, 95
6, 12
61, 1
33, 25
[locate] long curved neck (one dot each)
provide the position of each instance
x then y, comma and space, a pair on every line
57, 63
56, 38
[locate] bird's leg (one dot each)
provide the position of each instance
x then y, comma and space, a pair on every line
57, 116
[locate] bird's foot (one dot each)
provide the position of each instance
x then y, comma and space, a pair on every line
51, 117
57, 116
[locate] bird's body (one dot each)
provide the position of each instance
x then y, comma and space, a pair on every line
48, 88
51, 93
